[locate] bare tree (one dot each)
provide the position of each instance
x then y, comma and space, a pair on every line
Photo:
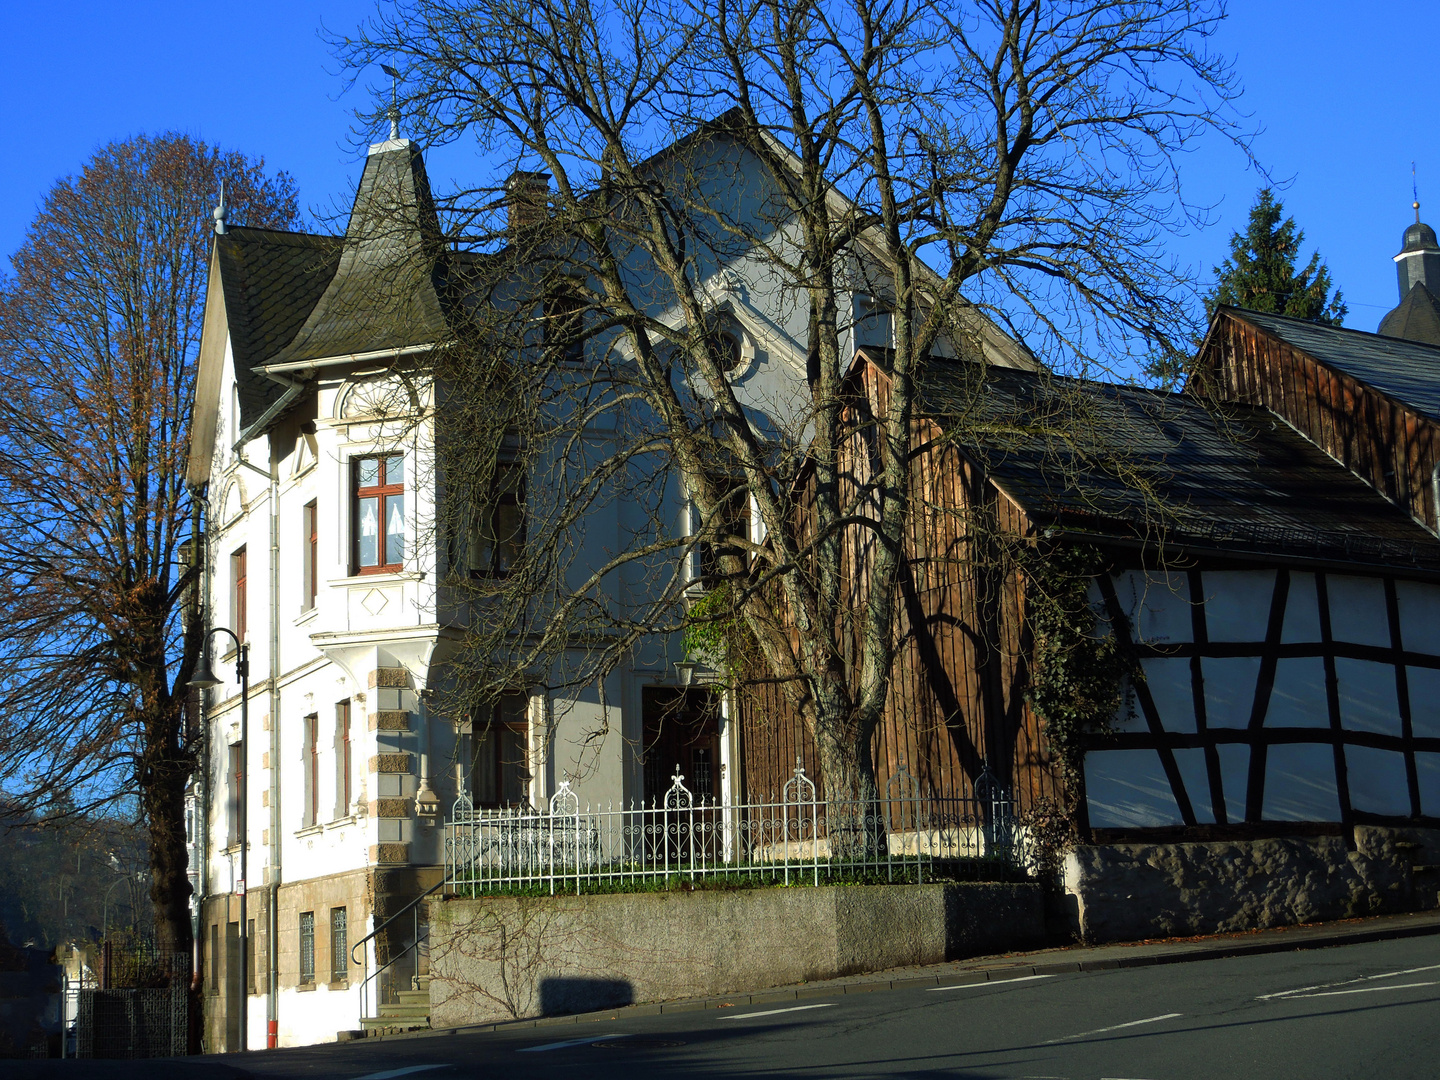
99, 327
1025, 147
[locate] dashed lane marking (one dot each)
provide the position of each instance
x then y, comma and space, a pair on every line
1361, 990
388, 1073
996, 982
1116, 1027
1347, 982
572, 1042
775, 1012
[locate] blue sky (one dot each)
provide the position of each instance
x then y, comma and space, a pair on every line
1344, 105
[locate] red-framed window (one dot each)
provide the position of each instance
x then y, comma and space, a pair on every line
379, 486
239, 595
312, 769
342, 758
312, 554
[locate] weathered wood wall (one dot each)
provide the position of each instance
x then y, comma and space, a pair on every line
957, 694
1383, 441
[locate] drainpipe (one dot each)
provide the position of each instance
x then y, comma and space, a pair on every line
202, 820
293, 390
272, 1003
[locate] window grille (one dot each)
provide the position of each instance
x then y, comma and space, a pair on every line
307, 947
339, 946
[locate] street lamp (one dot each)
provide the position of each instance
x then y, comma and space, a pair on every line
204, 679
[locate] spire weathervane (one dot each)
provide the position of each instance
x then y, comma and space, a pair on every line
394, 111
1414, 193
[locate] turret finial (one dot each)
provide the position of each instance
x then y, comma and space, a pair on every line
221, 211
393, 112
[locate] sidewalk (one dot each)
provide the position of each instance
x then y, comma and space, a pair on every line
1020, 965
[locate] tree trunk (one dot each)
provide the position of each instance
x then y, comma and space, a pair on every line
854, 823
167, 768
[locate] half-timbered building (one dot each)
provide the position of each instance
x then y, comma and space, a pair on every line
1266, 562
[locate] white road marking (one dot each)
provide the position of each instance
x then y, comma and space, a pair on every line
1347, 982
388, 1073
1117, 1027
997, 982
776, 1012
1363, 990
573, 1042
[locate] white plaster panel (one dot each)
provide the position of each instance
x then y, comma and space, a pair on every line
1168, 679
1298, 696
1419, 616
1302, 611
1237, 603
1357, 610
1229, 689
1300, 783
1234, 778
1377, 781
1158, 605
1196, 778
1427, 766
1128, 789
1424, 686
1367, 696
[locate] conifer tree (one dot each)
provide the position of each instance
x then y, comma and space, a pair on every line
1261, 273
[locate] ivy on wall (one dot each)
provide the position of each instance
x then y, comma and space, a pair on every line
1078, 673
715, 632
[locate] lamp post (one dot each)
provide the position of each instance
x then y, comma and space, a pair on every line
203, 679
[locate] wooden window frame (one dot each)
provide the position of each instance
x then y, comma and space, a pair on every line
492, 727
504, 552
312, 554
240, 591
312, 769
384, 490
343, 760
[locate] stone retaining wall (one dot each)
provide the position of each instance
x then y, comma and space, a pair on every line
501, 958
1127, 892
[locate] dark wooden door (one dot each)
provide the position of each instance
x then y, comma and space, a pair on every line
682, 735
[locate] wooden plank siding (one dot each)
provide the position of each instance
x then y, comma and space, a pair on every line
1386, 443
957, 698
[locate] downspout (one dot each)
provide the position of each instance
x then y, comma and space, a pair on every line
202, 822
293, 390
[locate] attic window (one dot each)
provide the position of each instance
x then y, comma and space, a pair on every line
725, 347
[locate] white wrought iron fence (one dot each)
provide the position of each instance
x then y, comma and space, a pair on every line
796, 837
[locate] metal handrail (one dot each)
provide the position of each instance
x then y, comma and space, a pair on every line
409, 907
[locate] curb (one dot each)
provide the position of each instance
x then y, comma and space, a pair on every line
1295, 939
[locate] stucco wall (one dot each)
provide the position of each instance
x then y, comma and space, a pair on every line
1127, 892
500, 958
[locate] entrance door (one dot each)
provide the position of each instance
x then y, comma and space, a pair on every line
682, 734
232, 987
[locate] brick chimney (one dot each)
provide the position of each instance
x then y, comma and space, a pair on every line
527, 200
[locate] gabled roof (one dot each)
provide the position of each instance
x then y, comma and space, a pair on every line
1126, 461
1416, 318
1407, 371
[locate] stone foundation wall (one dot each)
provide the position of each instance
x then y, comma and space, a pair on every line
502, 958
1127, 892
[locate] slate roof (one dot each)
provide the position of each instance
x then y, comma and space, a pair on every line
292, 297
271, 281
1408, 371
1132, 462
1416, 318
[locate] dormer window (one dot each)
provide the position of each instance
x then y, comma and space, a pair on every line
725, 348
379, 507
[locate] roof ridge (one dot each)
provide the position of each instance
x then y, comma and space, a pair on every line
1324, 326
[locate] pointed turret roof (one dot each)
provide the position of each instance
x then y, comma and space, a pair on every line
384, 293
1416, 318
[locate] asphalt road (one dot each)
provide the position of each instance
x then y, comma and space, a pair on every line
1358, 1011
